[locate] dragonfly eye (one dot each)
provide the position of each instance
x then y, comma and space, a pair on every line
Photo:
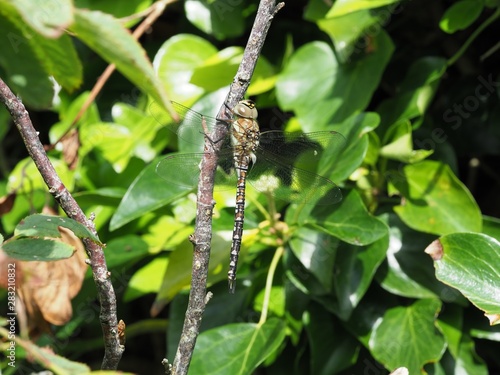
246, 109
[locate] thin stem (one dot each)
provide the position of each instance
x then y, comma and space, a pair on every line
269, 283
101, 275
473, 36
203, 228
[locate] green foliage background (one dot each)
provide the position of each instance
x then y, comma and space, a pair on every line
414, 88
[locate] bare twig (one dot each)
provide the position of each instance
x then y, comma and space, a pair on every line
203, 228
153, 12
107, 298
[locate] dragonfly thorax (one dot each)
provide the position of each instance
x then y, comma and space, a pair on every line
245, 109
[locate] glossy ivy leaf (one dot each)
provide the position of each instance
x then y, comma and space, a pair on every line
349, 221
407, 336
470, 262
236, 348
106, 36
338, 91
220, 19
176, 61
49, 18
435, 200
408, 271
460, 345
342, 7
339, 166
401, 146
316, 251
325, 332
148, 192
460, 15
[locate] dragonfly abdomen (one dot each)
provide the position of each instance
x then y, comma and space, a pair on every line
239, 218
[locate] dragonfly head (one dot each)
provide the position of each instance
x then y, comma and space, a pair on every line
246, 109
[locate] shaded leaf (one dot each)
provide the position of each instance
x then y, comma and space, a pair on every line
460, 15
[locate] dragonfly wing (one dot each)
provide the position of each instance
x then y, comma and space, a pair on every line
184, 170
303, 150
291, 160
192, 125
291, 184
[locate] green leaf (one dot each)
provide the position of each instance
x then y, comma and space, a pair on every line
348, 221
401, 146
22, 62
436, 201
355, 129
124, 250
25, 177
407, 336
236, 348
218, 70
316, 251
48, 17
337, 91
342, 7
491, 227
106, 36
39, 225
470, 262
345, 31
49, 360
176, 61
218, 18
416, 92
147, 193
408, 271
460, 15
178, 273
36, 249
119, 9
147, 279
355, 267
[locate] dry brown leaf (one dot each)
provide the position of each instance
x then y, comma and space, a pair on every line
46, 288
70, 144
6, 203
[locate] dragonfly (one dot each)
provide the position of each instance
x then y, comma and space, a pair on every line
274, 162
